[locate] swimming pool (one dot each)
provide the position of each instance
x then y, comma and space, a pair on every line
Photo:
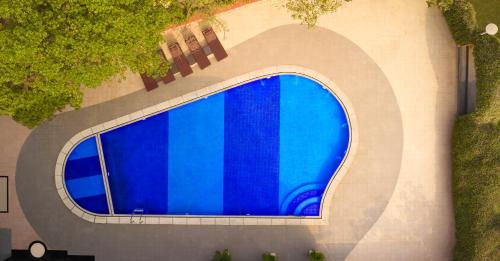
268, 147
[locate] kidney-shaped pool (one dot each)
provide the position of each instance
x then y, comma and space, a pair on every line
268, 147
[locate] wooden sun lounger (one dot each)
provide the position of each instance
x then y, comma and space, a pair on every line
198, 54
169, 77
149, 82
180, 60
214, 43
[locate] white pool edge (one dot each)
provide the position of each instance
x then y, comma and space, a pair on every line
326, 201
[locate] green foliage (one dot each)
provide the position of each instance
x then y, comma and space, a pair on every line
204, 8
51, 49
487, 62
461, 19
315, 255
269, 257
476, 145
441, 4
308, 11
222, 256
476, 188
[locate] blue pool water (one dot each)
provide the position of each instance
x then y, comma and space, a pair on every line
268, 147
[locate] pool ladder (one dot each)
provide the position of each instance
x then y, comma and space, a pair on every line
138, 212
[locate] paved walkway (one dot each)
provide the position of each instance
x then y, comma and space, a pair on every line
396, 63
362, 194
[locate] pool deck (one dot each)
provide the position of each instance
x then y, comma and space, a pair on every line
396, 63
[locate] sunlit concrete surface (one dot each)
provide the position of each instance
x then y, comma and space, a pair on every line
396, 62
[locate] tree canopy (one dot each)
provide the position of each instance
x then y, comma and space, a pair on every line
444, 5
308, 11
51, 49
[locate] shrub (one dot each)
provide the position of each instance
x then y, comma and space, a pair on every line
269, 257
476, 188
476, 146
222, 256
441, 4
315, 255
461, 19
487, 62
308, 11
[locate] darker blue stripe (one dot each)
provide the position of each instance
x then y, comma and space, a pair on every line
136, 158
251, 148
97, 204
82, 167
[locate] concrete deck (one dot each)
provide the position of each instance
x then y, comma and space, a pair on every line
395, 62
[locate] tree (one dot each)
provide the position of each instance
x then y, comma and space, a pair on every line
52, 49
444, 5
308, 11
204, 9
222, 256
315, 255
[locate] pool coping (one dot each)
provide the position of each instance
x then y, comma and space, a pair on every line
322, 219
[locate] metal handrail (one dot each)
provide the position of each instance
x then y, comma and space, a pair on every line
137, 212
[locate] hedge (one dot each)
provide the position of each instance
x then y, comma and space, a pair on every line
487, 63
461, 19
476, 192
476, 145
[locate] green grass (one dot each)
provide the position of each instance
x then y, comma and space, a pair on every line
487, 11
476, 149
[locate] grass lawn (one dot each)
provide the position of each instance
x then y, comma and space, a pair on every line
487, 11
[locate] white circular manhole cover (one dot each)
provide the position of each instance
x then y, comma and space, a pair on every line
491, 29
37, 249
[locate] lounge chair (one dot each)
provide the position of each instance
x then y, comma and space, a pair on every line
198, 54
149, 82
169, 77
214, 43
180, 60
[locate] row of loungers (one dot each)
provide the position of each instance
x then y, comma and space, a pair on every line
181, 63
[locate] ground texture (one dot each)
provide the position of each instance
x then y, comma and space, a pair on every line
394, 61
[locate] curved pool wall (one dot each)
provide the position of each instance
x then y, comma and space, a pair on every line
268, 147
